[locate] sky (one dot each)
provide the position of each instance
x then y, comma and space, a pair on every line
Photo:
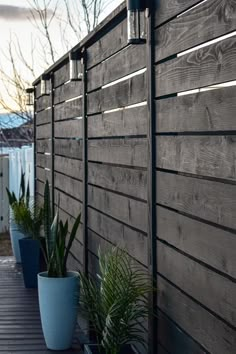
15, 24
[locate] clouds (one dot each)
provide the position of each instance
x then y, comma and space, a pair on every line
15, 13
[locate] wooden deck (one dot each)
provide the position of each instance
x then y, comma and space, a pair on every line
20, 326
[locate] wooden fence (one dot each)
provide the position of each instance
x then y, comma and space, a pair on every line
128, 143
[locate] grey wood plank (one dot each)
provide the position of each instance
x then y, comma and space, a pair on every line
209, 200
68, 129
72, 206
211, 156
69, 109
70, 167
43, 174
204, 67
43, 131
125, 122
64, 216
43, 145
43, 102
204, 242
38, 90
205, 111
131, 152
67, 91
43, 117
127, 181
43, 160
61, 75
69, 148
69, 185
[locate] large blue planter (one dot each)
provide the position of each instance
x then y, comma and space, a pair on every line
58, 299
30, 258
16, 235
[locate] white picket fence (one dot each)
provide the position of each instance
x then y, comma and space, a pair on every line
18, 160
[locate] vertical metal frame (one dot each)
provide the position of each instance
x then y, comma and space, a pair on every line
35, 146
52, 143
151, 195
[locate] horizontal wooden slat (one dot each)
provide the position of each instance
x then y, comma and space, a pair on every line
209, 200
205, 328
73, 263
43, 174
72, 168
213, 156
38, 90
68, 129
69, 148
133, 212
77, 250
64, 216
65, 92
125, 62
44, 117
69, 185
205, 22
124, 180
67, 110
62, 75
108, 44
126, 122
122, 94
43, 131
40, 187
43, 102
72, 206
135, 242
43, 145
205, 111
204, 242
204, 67
43, 160
131, 152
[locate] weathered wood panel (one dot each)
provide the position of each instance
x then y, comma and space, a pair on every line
43, 174
68, 91
125, 122
124, 180
69, 185
64, 216
69, 148
205, 22
62, 75
43, 117
67, 166
204, 242
207, 66
43, 131
131, 152
133, 212
40, 187
43, 145
205, 111
119, 234
209, 200
109, 44
43, 102
212, 333
125, 62
68, 129
125, 93
43, 160
69, 109
70, 205
74, 263
213, 156
38, 90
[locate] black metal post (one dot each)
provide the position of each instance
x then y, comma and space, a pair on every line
152, 252
35, 146
85, 162
52, 144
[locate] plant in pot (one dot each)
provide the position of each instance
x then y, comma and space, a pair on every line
15, 203
58, 288
117, 304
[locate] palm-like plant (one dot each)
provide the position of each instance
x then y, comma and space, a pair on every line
24, 194
119, 305
55, 231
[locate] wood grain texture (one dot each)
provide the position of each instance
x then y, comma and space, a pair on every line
205, 111
43, 102
68, 129
133, 212
205, 22
205, 328
68, 110
67, 91
213, 156
125, 93
43, 174
204, 242
67, 166
125, 122
125, 62
118, 179
62, 75
209, 200
207, 287
167, 9
69, 185
109, 44
204, 67
43, 145
38, 90
69, 148
43, 131
43, 160
40, 187
131, 152
43, 117
135, 242
72, 206
74, 264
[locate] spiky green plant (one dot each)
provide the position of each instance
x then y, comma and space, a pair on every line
55, 232
118, 306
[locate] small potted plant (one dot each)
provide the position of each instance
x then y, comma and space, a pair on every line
15, 203
118, 305
58, 288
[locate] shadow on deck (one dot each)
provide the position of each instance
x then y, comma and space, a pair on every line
20, 326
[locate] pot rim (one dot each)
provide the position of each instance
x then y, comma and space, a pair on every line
70, 274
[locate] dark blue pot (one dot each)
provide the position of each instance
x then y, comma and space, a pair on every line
30, 258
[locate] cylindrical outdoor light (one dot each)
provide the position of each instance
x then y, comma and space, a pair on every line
45, 84
29, 96
136, 21
74, 62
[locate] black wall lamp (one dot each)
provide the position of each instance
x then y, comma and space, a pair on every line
45, 84
75, 67
29, 96
136, 21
